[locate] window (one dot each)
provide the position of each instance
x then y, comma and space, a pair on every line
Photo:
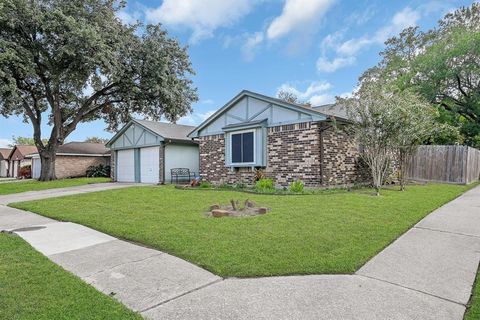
243, 147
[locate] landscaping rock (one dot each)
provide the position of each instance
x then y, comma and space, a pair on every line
250, 203
214, 207
217, 213
262, 210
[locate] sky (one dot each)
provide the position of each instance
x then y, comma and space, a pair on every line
316, 49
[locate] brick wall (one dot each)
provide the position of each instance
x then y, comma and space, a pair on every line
341, 164
76, 166
293, 152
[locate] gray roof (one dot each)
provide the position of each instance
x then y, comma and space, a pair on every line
83, 148
4, 153
169, 131
333, 109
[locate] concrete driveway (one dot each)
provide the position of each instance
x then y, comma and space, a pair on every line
427, 273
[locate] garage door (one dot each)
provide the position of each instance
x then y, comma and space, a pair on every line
15, 168
149, 165
125, 166
36, 167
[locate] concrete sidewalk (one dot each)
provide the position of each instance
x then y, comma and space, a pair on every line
427, 273
58, 192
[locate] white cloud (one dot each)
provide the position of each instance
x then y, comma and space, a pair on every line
297, 14
128, 18
203, 17
252, 42
325, 65
346, 51
5, 142
316, 93
195, 118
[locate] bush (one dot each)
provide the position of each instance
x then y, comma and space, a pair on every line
264, 184
297, 186
205, 185
98, 171
25, 172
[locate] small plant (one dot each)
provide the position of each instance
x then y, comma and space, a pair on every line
98, 171
25, 172
264, 184
297, 186
205, 185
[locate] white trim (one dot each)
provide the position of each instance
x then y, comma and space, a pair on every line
254, 148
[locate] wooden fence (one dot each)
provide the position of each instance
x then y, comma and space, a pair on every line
453, 164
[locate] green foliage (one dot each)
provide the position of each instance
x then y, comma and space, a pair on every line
76, 62
33, 287
98, 171
24, 141
296, 186
264, 184
442, 66
337, 232
205, 185
96, 140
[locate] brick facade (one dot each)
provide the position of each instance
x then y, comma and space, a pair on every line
314, 152
76, 166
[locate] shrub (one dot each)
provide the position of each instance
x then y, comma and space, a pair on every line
98, 171
25, 172
205, 185
297, 186
264, 184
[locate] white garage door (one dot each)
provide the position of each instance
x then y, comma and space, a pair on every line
125, 166
15, 168
36, 168
149, 165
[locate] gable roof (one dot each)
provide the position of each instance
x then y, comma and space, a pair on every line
4, 153
276, 101
23, 150
167, 131
333, 109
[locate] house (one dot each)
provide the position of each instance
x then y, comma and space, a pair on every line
145, 151
73, 159
287, 141
4, 153
19, 157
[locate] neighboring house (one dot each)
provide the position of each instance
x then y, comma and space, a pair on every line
287, 141
19, 157
145, 151
73, 159
4, 153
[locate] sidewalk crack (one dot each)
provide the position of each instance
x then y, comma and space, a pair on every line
412, 289
181, 295
444, 231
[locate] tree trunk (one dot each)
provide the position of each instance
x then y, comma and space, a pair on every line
47, 159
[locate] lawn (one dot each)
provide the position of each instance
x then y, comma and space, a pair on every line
33, 287
473, 311
34, 185
307, 234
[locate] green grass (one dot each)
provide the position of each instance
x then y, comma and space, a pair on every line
309, 234
33, 287
34, 185
473, 311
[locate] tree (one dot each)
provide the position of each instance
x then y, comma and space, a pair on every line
371, 111
96, 140
416, 122
287, 96
25, 141
443, 66
76, 62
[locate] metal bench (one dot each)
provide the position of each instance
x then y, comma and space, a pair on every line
181, 174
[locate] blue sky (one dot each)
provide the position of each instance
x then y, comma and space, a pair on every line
314, 48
